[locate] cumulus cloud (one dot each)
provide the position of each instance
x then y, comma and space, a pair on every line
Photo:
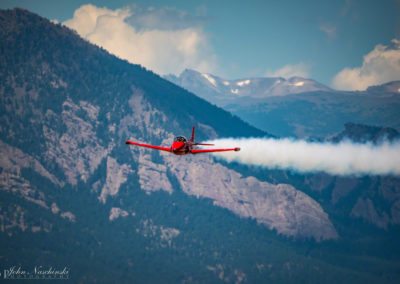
164, 40
345, 158
380, 66
291, 70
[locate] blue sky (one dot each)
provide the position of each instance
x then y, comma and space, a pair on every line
323, 40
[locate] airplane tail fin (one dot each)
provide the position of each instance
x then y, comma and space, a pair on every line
192, 138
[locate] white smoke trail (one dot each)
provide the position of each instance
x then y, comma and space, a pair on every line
345, 158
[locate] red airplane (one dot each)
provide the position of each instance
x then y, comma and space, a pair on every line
182, 146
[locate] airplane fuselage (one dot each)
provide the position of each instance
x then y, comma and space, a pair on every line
181, 148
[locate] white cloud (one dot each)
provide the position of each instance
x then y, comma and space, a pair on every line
290, 70
167, 49
329, 29
380, 66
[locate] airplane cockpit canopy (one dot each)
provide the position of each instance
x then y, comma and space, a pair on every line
180, 139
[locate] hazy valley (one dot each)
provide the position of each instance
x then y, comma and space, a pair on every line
296, 107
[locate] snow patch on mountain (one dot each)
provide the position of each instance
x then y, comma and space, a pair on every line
299, 84
210, 79
242, 83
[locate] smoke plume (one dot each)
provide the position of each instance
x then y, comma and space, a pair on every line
344, 158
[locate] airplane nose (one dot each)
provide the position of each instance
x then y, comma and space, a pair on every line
176, 146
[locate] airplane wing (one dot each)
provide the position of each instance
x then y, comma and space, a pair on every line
214, 150
148, 146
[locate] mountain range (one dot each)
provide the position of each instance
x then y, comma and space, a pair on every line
74, 195
296, 107
221, 91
